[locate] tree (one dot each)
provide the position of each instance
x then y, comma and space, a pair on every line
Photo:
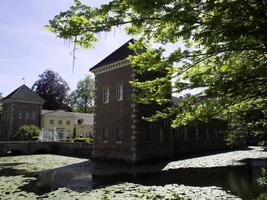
1, 97
27, 132
82, 98
53, 89
219, 51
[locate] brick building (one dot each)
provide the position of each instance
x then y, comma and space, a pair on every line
120, 132
21, 107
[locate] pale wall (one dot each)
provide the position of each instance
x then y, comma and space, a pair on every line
45, 123
82, 129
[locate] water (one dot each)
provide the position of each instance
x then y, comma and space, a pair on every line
239, 180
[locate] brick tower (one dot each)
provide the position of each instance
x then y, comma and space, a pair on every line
120, 131
20, 107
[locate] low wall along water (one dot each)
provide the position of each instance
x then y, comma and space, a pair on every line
76, 149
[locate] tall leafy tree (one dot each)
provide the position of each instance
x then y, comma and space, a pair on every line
82, 99
53, 89
1, 97
220, 48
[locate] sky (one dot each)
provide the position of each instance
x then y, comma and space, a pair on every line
27, 49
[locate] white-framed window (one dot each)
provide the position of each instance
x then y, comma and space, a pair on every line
118, 135
68, 122
105, 135
106, 95
27, 114
20, 115
59, 122
119, 92
51, 121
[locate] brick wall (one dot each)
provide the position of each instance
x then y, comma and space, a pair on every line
113, 115
16, 114
211, 136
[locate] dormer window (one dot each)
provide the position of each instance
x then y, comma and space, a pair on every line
106, 95
119, 94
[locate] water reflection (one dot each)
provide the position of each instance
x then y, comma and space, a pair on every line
76, 177
239, 180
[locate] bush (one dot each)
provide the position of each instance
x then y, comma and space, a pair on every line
85, 140
27, 132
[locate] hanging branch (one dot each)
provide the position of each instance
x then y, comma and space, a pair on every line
73, 52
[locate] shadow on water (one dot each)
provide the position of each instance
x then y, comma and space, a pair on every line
76, 177
239, 180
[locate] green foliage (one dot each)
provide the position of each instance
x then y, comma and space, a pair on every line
216, 50
82, 99
263, 179
53, 89
27, 132
1, 104
84, 140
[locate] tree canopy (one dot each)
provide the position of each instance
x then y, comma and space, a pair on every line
53, 89
82, 98
218, 47
1, 102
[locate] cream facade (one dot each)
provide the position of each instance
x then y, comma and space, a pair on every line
60, 120
67, 124
84, 124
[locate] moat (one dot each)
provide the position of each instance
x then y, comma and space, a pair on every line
230, 175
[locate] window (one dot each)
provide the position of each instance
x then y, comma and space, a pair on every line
68, 134
51, 121
148, 134
217, 134
27, 115
59, 122
105, 135
119, 94
161, 135
207, 133
33, 117
19, 115
60, 132
185, 134
118, 135
197, 133
80, 121
106, 95
68, 122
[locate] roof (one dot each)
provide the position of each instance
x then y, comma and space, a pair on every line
119, 54
58, 113
24, 93
88, 119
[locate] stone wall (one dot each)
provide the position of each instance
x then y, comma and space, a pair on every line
62, 148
